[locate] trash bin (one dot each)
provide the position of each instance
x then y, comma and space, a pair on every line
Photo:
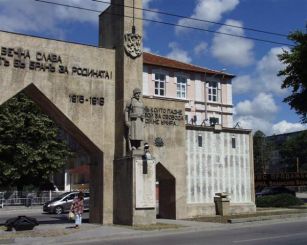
222, 203
29, 200
21, 223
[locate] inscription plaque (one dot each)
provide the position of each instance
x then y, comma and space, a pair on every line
145, 182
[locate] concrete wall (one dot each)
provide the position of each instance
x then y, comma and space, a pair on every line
218, 167
34, 64
172, 154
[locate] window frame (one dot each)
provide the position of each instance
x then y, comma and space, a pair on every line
233, 142
183, 86
216, 119
200, 140
159, 89
213, 91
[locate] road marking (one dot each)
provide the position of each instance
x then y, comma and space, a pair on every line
270, 237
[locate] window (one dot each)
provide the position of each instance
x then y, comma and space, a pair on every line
194, 120
181, 87
186, 118
233, 142
212, 91
200, 141
159, 84
213, 120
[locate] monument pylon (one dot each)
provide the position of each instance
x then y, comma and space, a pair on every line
121, 28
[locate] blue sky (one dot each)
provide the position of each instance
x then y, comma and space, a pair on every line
257, 96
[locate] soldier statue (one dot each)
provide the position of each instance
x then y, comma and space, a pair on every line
135, 120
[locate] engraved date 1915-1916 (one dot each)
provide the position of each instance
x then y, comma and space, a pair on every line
81, 99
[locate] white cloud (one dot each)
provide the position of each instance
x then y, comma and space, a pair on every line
211, 10
259, 114
256, 114
262, 106
267, 69
35, 16
200, 48
242, 84
148, 14
267, 127
178, 54
254, 123
287, 127
232, 50
265, 78
147, 49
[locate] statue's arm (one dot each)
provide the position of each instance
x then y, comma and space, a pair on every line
127, 110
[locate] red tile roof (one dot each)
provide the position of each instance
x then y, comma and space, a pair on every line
153, 59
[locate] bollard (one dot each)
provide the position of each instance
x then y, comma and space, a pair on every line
222, 203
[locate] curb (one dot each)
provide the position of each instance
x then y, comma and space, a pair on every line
268, 217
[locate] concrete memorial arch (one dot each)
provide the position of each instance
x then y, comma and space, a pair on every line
85, 90
74, 84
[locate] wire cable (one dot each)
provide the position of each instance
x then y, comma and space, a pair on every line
167, 23
196, 19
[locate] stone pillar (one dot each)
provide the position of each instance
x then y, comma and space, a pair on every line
134, 191
222, 204
114, 23
134, 177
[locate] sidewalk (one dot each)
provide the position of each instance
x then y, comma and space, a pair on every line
66, 234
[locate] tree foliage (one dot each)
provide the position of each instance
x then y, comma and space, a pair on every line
294, 149
30, 147
262, 152
295, 74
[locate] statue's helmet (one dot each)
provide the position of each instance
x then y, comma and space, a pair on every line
136, 90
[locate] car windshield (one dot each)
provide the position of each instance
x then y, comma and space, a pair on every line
59, 197
266, 190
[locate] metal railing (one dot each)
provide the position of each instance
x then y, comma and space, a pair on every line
16, 198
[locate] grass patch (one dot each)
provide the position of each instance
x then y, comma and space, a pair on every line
34, 233
282, 200
158, 226
2, 228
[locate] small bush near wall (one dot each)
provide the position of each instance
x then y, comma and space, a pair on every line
282, 200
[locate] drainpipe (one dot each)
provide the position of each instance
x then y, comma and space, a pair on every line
206, 97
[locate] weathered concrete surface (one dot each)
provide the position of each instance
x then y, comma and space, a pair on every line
114, 22
161, 116
128, 193
56, 92
221, 163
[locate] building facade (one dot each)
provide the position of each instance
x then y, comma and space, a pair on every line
207, 94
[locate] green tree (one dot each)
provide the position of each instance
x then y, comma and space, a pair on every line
30, 147
295, 74
294, 151
262, 152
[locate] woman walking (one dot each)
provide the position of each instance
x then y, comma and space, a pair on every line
77, 208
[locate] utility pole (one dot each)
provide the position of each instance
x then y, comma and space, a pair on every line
297, 165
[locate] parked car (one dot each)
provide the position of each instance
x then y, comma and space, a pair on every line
62, 203
275, 190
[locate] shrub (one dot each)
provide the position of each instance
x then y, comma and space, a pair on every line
281, 200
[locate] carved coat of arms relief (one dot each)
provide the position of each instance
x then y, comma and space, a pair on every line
133, 44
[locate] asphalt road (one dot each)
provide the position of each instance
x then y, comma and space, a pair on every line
42, 218
273, 232
289, 233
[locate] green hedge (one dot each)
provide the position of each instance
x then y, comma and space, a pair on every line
281, 200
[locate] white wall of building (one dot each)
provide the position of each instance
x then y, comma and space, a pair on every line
218, 167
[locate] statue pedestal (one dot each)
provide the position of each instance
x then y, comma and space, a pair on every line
134, 191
